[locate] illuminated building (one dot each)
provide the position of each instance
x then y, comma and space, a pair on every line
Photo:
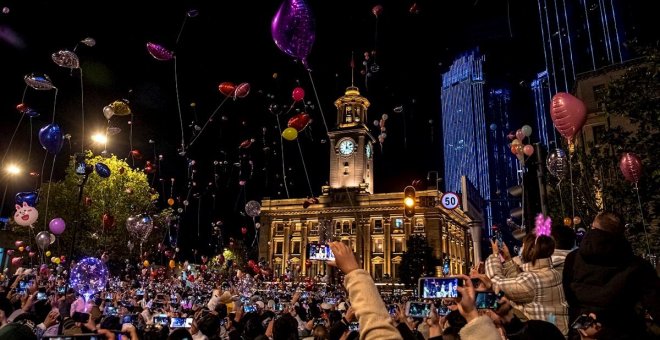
372, 224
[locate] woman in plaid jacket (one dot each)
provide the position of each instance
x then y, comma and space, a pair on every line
535, 288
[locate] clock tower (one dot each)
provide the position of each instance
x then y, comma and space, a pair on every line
351, 144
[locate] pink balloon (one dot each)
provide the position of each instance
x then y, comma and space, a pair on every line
242, 90
528, 150
298, 94
16, 261
520, 135
568, 113
631, 167
159, 52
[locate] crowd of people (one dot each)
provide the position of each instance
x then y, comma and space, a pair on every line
552, 290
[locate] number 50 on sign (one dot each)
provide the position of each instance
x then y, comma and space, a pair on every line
450, 201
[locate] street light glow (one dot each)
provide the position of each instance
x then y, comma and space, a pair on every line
99, 138
409, 202
13, 169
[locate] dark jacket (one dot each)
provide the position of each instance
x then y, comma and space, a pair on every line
604, 277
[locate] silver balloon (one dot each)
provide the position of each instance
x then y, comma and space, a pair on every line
52, 238
65, 58
88, 41
39, 81
140, 226
253, 208
557, 163
42, 239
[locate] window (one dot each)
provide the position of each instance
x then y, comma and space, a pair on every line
599, 93
378, 226
395, 270
419, 225
598, 131
314, 228
279, 229
378, 271
297, 226
398, 223
398, 245
279, 247
337, 227
348, 117
295, 246
378, 245
346, 227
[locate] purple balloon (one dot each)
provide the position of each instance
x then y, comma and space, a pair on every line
57, 226
50, 137
293, 29
159, 52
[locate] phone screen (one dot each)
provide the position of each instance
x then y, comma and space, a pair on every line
42, 296
583, 322
418, 309
443, 310
80, 164
110, 310
354, 327
392, 309
129, 318
320, 252
439, 287
487, 300
177, 322
249, 308
161, 319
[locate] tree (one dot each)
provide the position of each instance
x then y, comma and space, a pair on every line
124, 193
417, 261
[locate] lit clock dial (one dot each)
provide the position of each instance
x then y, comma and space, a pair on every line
346, 147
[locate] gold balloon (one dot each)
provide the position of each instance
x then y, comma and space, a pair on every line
172, 264
21, 248
48, 253
170, 201
146, 263
120, 107
54, 259
57, 260
577, 220
290, 133
567, 221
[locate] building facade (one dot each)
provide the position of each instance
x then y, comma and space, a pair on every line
372, 224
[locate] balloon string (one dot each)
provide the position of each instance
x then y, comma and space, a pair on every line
302, 158
207, 121
54, 104
570, 171
130, 140
641, 212
43, 167
178, 104
561, 198
50, 179
178, 37
327, 131
279, 128
30, 146
11, 140
199, 213
82, 113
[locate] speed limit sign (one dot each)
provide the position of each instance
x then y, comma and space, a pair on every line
449, 200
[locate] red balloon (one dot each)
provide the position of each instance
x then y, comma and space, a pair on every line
631, 167
568, 113
227, 88
108, 221
377, 10
251, 263
299, 121
528, 150
242, 90
136, 154
298, 94
16, 261
246, 144
21, 107
244, 230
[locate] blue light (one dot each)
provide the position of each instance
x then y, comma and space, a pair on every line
89, 277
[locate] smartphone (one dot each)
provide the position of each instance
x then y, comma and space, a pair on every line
139, 292
80, 317
418, 309
320, 252
61, 290
81, 165
177, 322
129, 318
108, 297
318, 322
249, 308
439, 287
161, 319
279, 307
487, 300
353, 327
110, 310
331, 301
392, 309
443, 310
583, 322
42, 296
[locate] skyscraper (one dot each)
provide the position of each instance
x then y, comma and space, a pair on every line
464, 126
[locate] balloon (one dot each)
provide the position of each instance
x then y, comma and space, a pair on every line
298, 94
50, 137
511, 136
108, 112
170, 201
89, 276
10, 252
172, 264
290, 133
18, 244
120, 107
577, 220
29, 197
493, 127
113, 130
244, 230
108, 221
528, 150
292, 29
57, 226
88, 41
520, 135
52, 238
25, 215
140, 226
16, 261
242, 90
21, 249
227, 88
102, 170
377, 10
159, 52
31, 254
526, 130
253, 208
557, 163
136, 154
66, 58
38, 81
567, 221
631, 167
299, 121
47, 253
145, 263
568, 114
42, 239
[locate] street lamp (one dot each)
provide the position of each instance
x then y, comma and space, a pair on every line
12, 170
100, 138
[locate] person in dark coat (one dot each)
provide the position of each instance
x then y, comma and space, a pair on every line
605, 278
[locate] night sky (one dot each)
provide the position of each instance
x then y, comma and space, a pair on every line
231, 41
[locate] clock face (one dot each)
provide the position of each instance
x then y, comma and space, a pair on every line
346, 147
368, 150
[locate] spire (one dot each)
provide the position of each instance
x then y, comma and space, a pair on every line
352, 68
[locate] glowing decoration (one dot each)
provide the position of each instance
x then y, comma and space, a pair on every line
65, 58
292, 29
50, 137
227, 88
25, 215
159, 52
39, 81
57, 226
89, 277
543, 225
253, 208
631, 167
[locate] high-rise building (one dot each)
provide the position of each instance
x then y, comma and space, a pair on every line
464, 127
